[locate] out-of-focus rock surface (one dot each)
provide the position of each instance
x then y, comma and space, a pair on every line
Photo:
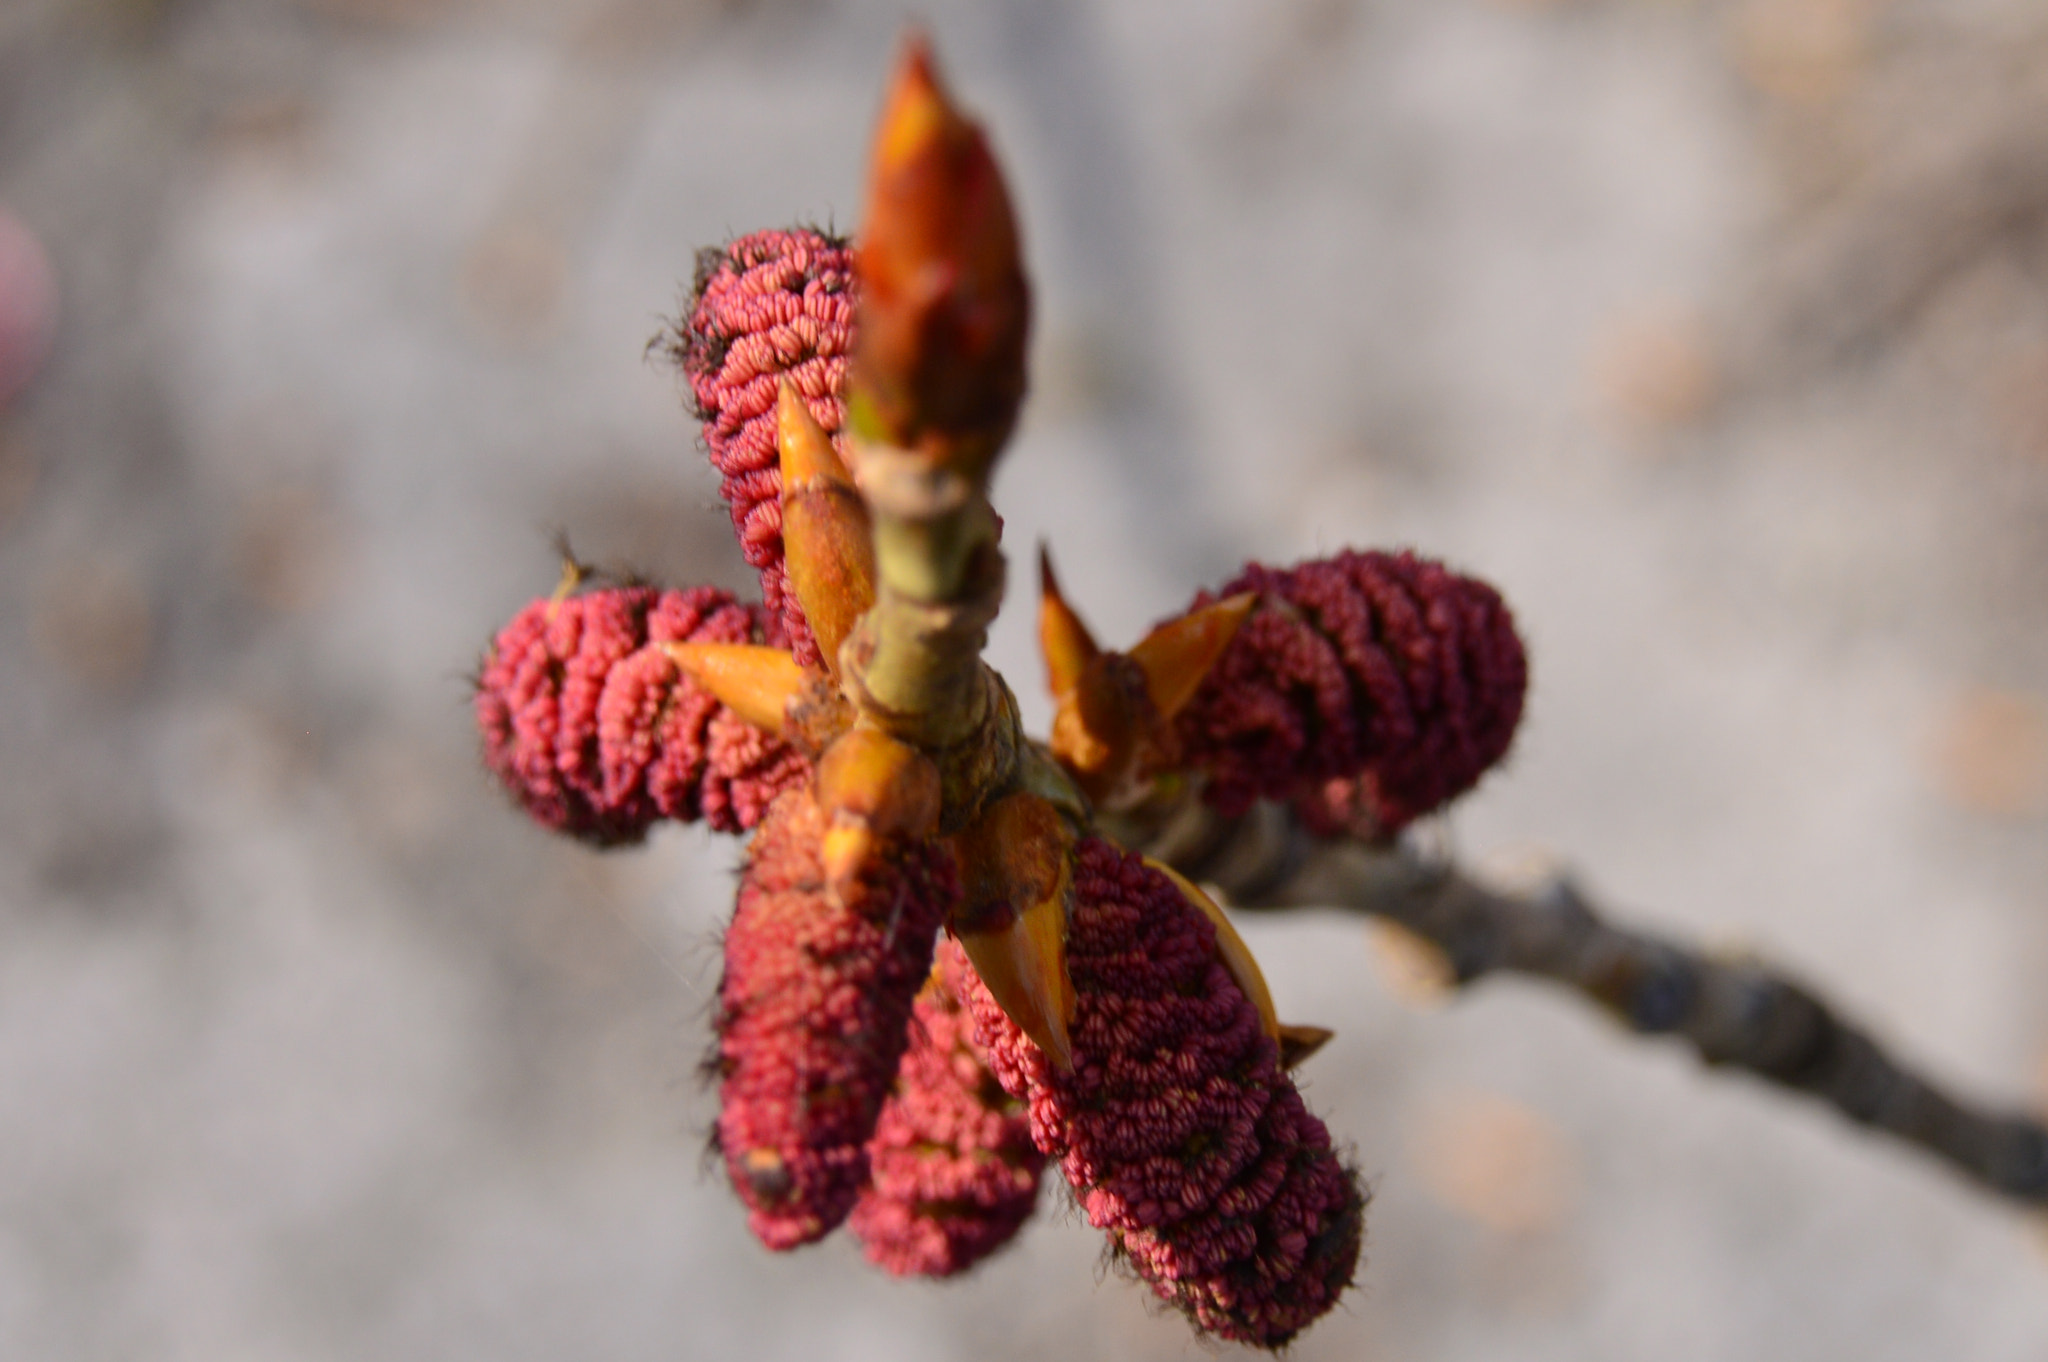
1715, 333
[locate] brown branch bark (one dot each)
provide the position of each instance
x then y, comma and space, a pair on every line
1735, 1013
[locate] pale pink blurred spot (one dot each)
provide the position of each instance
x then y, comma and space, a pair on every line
1498, 1163
1653, 370
28, 306
1989, 753
1803, 51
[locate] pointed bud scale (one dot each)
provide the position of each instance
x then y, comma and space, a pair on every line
1023, 964
1102, 718
1177, 655
1062, 636
756, 682
953, 1172
1184, 1140
1012, 918
829, 548
869, 777
598, 734
876, 793
1237, 957
1106, 732
944, 309
1111, 724
804, 452
1367, 689
813, 1016
1299, 1043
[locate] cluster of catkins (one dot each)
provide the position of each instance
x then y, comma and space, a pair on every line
867, 1074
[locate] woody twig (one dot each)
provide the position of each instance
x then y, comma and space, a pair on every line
1736, 1013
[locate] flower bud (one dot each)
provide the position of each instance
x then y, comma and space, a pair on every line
594, 730
767, 308
1182, 1137
954, 1172
1236, 955
1368, 689
813, 1015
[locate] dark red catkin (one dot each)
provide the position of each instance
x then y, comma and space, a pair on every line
813, 1015
765, 307
1182, 1136
954, 1174
598, 734
1368, 687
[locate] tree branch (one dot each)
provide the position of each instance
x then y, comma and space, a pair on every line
1735, 1013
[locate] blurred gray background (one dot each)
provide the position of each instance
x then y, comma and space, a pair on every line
1715, 332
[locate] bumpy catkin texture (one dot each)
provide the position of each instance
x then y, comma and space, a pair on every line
768, 306
813, 1015
1181, 1135
598, 734
954, 1172
1368, 687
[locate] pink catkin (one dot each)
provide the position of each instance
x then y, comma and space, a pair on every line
1181, 1135
1368, 688
954, 1172
768, 306
598, 734
813, 1016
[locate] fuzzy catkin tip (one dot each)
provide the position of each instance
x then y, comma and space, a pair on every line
1182, 1137
596, 732
954, 1172
767, 306
813, 1016
1367, 688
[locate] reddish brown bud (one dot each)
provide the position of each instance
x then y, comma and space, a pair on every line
1181, 1135
954, 1173
813, 1012
596, 733
944, 310
1368, 688
766, 308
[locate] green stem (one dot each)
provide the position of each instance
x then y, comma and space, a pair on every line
913, 664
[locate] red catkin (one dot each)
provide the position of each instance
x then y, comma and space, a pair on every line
1181, 1135
767, 306
954, 1172
1368, 688
813, 1016
597, 733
